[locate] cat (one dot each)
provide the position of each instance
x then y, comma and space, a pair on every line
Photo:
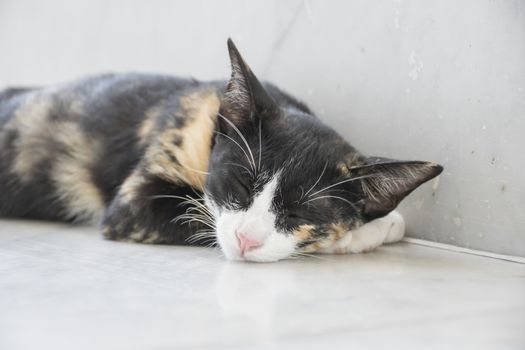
158, 159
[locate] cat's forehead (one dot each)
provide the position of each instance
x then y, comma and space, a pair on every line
317, 164
301, 143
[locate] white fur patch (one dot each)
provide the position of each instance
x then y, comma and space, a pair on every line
258, 223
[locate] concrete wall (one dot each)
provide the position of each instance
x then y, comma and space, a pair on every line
434, 80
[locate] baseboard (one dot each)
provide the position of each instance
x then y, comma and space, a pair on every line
454, 248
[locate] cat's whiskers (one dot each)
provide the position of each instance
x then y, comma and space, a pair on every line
335, 197
201, 209
197, 215
298, 255
197, 212
260, 146
206, 241
340, 183
212, 244
203, 235
201, 201
242, 166
252, 171
301, 196
193, 218
252, 164
316, 182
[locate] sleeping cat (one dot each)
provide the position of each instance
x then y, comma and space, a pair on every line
158, 159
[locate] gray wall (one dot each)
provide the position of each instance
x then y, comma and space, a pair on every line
434, 80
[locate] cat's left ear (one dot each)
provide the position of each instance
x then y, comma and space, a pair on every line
245, 98
385, 182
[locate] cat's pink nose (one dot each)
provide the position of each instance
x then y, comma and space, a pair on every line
246, 244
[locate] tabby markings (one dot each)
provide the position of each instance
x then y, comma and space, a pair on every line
182, 154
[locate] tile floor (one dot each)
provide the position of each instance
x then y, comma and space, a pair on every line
64, 287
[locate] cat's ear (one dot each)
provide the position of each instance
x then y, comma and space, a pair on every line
245, 97
385, 182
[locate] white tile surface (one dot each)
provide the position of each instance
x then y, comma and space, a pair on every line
65, 288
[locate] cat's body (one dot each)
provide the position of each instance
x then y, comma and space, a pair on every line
67, 150
133, 150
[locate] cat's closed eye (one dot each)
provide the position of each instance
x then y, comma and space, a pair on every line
240, 189
243, 185
296, 219
293, 216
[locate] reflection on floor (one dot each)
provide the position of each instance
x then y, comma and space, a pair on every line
66, 288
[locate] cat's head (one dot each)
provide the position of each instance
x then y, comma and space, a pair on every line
280, 182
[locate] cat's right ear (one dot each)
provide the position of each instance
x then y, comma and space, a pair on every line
245, 98
385, 182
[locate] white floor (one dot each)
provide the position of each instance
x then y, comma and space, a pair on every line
66, 288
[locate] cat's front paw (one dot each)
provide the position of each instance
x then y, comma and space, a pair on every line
395, 226
354, 242
341, 246
121, 223
388, 229
134, 234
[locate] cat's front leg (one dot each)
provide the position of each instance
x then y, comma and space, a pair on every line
388, 229
145, 210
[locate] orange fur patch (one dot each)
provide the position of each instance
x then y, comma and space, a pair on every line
303, 232
147, 126
69, 169
335, 232
190, 145
130, 186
